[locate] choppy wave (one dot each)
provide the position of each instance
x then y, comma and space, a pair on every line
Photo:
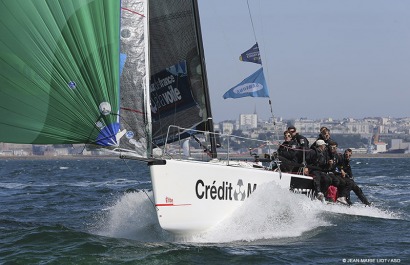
91, 213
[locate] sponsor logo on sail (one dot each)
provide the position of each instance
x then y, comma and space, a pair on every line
170, 96
72, 85
129, 134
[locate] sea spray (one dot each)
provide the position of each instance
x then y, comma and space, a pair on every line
359, 209
132, 216
275, 213
270, 212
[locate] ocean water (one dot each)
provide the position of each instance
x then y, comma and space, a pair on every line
99, 211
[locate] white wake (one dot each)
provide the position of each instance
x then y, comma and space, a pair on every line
269, 213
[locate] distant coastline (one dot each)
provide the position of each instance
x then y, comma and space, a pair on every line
380, 155
96, 157
71, 157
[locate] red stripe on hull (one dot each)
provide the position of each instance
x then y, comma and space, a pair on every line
165, 204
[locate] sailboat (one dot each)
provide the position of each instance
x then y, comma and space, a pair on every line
126, 76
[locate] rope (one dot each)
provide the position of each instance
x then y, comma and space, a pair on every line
254, 35
89, 136
250, 16
296, 149
149, 198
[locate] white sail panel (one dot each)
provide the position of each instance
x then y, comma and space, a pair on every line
134, 111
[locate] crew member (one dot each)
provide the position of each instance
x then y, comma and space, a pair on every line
346, 172
342, 184
302, 144
317, 161
287, 153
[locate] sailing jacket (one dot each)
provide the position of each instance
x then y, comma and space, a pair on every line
288, 150
301, 140
337, 165
317, 158
345, 165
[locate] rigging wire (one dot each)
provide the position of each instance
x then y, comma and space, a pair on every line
254, 34
89, 136
89, 141
250, 16
149, 198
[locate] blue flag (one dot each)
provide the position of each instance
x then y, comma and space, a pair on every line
252, 55
252, 86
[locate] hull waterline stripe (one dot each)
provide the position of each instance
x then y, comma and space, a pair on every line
172, 204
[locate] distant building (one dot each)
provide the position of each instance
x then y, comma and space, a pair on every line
397, 144
356, 127
380, 147
227, 127
248, 121
304, 126
15, 149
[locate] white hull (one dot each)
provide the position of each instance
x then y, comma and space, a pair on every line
193, 196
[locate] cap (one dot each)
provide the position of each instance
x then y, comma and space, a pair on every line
320, 142
291, 128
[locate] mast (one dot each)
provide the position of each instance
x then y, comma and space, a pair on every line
147, 107
209, 122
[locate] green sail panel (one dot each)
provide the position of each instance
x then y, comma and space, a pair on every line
59, 77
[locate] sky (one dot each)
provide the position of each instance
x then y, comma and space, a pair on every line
321, 58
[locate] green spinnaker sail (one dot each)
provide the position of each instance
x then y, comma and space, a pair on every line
59, 61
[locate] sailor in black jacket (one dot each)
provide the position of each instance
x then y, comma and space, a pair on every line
287, 153
302, 144
343, 184
346, 172
323, 135
300, 139
317, 160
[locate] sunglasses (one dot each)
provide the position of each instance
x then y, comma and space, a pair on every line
292, 131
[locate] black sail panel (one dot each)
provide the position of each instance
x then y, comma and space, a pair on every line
177, 83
